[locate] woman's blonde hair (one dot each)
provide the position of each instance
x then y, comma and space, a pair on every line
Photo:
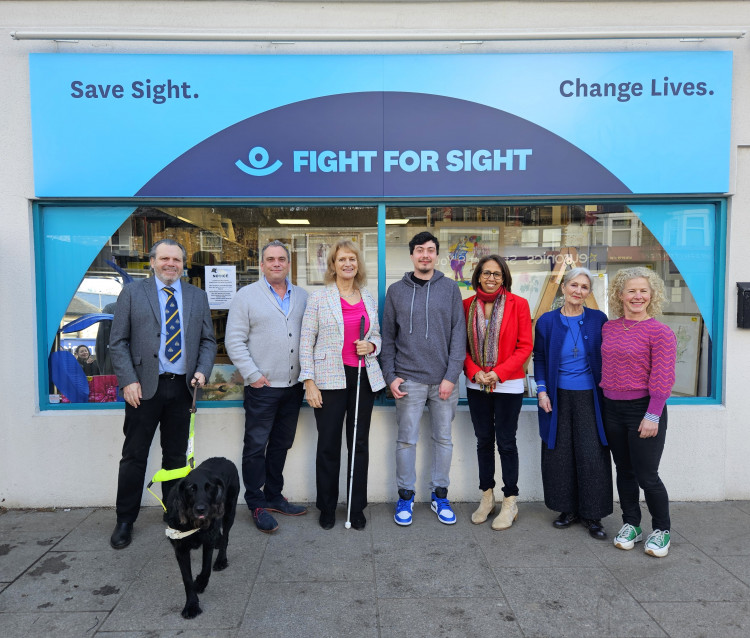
360, 279
623, 276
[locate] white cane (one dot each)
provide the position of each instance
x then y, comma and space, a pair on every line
348, 523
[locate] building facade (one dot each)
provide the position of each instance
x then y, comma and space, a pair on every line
604, 134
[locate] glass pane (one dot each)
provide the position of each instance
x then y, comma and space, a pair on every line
677, 242
212, 237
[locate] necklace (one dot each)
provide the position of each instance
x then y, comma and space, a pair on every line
628, 328
354, 293
572, 332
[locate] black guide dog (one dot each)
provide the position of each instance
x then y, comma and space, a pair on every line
205, 501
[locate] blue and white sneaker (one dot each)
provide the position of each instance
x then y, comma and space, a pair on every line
404, 507
442, 507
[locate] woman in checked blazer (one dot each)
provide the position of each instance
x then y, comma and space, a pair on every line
331, 352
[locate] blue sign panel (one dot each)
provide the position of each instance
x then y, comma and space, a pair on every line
380, 126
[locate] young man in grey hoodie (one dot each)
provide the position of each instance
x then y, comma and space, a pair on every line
424, 345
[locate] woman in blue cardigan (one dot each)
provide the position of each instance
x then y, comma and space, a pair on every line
576, 469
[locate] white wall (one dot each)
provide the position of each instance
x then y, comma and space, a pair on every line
69, 458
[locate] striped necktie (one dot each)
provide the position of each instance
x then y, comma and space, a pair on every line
173, 346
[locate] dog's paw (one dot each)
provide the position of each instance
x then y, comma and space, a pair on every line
191, 610
201, 582
221, 563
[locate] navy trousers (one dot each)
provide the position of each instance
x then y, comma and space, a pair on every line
270, 426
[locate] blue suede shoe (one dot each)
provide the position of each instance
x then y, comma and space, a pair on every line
282, 506
264, 521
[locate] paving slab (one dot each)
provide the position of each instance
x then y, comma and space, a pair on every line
532, 541
720, 529
446, 618
685, 574
415, 569
316, 554
573, 601
18, 550
702, 620
53, 522
45, 625
313, 610
74, 581
739, 566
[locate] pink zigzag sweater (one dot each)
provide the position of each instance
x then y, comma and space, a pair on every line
638, 362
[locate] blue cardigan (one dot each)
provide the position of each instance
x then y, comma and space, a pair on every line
549, 336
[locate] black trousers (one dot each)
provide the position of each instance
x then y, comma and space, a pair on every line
495, 417
330, 420
169, 409
577, 473
270, 426
637, 461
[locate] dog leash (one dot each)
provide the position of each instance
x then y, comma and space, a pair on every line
171, 475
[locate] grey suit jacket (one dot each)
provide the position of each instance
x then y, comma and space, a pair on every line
134, 340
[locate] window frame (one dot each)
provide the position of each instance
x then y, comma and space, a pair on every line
719, 280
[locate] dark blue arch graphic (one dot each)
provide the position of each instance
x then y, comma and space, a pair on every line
491, 152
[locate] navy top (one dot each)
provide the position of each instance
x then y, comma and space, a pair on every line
548, 344
575, 373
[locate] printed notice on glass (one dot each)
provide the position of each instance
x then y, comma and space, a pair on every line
221, 284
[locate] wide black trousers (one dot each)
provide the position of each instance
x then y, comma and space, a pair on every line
339, 405
577, 473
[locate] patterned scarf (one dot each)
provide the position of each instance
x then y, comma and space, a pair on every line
484, 339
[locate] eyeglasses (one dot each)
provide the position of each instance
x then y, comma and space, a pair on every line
487, 274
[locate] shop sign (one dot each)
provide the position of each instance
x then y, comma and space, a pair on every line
380, 126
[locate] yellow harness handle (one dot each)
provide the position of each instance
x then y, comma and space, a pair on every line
181, 472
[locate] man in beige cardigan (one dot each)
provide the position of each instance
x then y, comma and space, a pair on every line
262, 340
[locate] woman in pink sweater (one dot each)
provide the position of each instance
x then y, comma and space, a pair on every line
638, 371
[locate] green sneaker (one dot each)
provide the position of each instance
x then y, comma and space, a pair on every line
657, 543
628, 536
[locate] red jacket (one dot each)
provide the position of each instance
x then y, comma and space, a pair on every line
515, 340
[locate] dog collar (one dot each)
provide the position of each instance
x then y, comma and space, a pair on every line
176, 534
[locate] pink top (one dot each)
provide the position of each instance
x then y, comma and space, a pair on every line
352, 315
638, 362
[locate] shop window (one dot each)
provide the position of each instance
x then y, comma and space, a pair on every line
678, 242
87, 253
90, 253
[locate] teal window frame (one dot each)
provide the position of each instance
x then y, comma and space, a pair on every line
719, 287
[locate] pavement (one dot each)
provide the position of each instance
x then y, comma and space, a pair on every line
59, 577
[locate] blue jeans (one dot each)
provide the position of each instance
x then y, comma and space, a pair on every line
637, 461
495, 416
409, 411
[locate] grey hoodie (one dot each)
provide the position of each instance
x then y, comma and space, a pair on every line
424, 331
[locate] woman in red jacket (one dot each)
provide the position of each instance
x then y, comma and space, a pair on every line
498, 345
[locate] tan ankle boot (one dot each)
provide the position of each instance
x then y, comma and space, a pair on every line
508, 514
486, 507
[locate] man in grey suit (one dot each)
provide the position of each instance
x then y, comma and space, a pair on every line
162, 343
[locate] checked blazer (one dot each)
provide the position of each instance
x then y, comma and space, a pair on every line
323, 340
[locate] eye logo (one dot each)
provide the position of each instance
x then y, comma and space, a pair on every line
258, 158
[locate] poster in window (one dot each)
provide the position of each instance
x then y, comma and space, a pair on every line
463, 247
211, 242
687, 329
